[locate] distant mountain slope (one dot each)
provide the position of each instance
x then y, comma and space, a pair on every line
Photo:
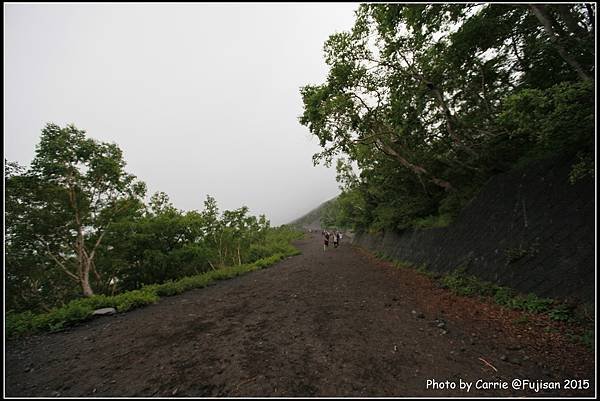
312, 219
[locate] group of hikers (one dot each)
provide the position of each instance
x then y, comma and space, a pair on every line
337, 236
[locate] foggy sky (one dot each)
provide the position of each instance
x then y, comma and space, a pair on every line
202, 98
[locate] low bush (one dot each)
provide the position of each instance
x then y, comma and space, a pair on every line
432, 221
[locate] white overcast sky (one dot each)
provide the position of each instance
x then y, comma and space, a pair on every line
202, 98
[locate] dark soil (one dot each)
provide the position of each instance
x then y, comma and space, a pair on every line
334, 323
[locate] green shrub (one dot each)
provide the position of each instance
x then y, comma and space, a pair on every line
466, 285
530, 303
134, 299
433, 221
583, 167
169, 288
588, 339
503, 296
18, 324
562, 312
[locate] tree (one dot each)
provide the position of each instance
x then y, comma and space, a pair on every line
422, 98
76, 187
32, 282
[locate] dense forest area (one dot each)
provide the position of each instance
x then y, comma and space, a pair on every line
431, 100
77, 226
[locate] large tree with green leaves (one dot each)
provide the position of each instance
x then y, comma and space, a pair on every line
425, 98
62, 206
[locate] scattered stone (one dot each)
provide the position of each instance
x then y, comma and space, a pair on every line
174, 391
444, 332
441, 325
94, 390
503, 358
104, 311
55, 394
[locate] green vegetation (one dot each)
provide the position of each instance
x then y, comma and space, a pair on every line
461, 283
77, 226
442, 220
514, 254
584, 167
425, 102
587, 339
81, 310
468, 285
316, 217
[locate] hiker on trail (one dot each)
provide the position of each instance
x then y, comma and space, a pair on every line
325, 240
336, 239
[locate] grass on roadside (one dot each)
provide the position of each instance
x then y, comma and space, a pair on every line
461, 283
80, 310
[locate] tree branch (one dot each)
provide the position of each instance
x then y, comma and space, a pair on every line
540, 13
69, 273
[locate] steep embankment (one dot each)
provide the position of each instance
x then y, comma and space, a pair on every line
335, 323
312, 219
529, 229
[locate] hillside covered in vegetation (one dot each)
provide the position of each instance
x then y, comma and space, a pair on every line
323, 216
432, 100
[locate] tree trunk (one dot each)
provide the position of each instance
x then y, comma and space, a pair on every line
85, 282
540, 13
418, 170
450, 122
220, 247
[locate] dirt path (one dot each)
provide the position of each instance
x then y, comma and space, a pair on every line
335, 323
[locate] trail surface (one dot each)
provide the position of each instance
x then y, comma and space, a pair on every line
335, 323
